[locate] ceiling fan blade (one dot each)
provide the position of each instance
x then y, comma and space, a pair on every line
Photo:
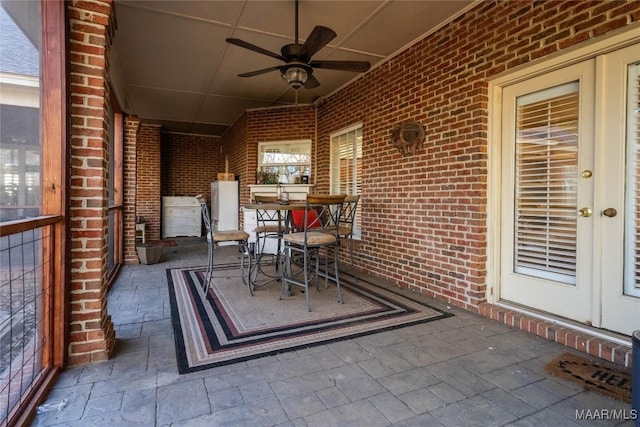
311, 82
356, 66
318, 39
258, 72
255, 48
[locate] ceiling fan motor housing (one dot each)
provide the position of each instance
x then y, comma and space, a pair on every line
292, 51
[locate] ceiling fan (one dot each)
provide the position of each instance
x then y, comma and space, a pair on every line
298, 68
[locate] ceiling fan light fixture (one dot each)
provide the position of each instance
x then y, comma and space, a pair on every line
295, 76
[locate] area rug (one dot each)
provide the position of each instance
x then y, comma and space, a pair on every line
605, 378
230, 325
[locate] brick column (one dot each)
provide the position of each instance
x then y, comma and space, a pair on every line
92, 336
131, 126
148, 167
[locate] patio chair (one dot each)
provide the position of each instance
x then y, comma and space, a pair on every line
217, 236
321, 214
270, 225
345, 227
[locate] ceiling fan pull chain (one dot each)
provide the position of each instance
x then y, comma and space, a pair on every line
296, 25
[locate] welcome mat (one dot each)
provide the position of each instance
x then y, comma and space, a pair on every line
230, 325
605, 378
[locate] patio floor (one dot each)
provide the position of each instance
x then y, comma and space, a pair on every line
464, 370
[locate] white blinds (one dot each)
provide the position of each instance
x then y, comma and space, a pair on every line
632, 212
346, 167
346, 160
546, 184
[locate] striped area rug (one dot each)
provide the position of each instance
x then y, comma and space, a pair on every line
229, 325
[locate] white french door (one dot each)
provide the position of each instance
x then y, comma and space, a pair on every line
620, 194
570, 244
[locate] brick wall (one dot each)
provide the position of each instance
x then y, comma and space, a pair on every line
131, 126
424, 216
148, 175
424, 223
240, 142
92, 336
190, 163
235, 147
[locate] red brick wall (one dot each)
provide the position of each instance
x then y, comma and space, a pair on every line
235, 147
190, 163
424, 223
92, 336
131, 126
264, 125
148, 174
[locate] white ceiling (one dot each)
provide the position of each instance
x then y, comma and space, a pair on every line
171, 65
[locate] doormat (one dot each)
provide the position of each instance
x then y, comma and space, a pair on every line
602, 377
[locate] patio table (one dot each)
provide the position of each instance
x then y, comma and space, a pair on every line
281, 213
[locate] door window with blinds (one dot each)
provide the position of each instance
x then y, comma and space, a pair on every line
632, 203
346, 165
546, 167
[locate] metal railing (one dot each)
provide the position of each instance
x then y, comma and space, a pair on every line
26, 289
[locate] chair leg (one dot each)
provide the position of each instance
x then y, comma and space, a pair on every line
336, 272
246, 280
209, 274
306, 279
326, 268
286, 271
353, 266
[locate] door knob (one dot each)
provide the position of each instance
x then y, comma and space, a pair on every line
610, 212
585, 212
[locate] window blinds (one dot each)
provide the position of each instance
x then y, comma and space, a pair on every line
632, 214
546, 184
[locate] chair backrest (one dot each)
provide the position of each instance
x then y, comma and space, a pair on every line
269, 221
299, 217
205, 213
327, 210
349, 208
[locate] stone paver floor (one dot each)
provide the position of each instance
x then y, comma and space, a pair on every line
464, 370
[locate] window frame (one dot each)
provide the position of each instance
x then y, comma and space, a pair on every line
53, 130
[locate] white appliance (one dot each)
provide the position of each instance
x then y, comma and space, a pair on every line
225, 205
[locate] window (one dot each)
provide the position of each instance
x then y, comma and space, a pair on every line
284, 162
546, 185
346, 165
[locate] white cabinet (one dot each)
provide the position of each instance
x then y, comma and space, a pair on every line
297, 192
181, 217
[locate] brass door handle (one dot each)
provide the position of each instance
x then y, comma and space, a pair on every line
585, 212
610, 212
